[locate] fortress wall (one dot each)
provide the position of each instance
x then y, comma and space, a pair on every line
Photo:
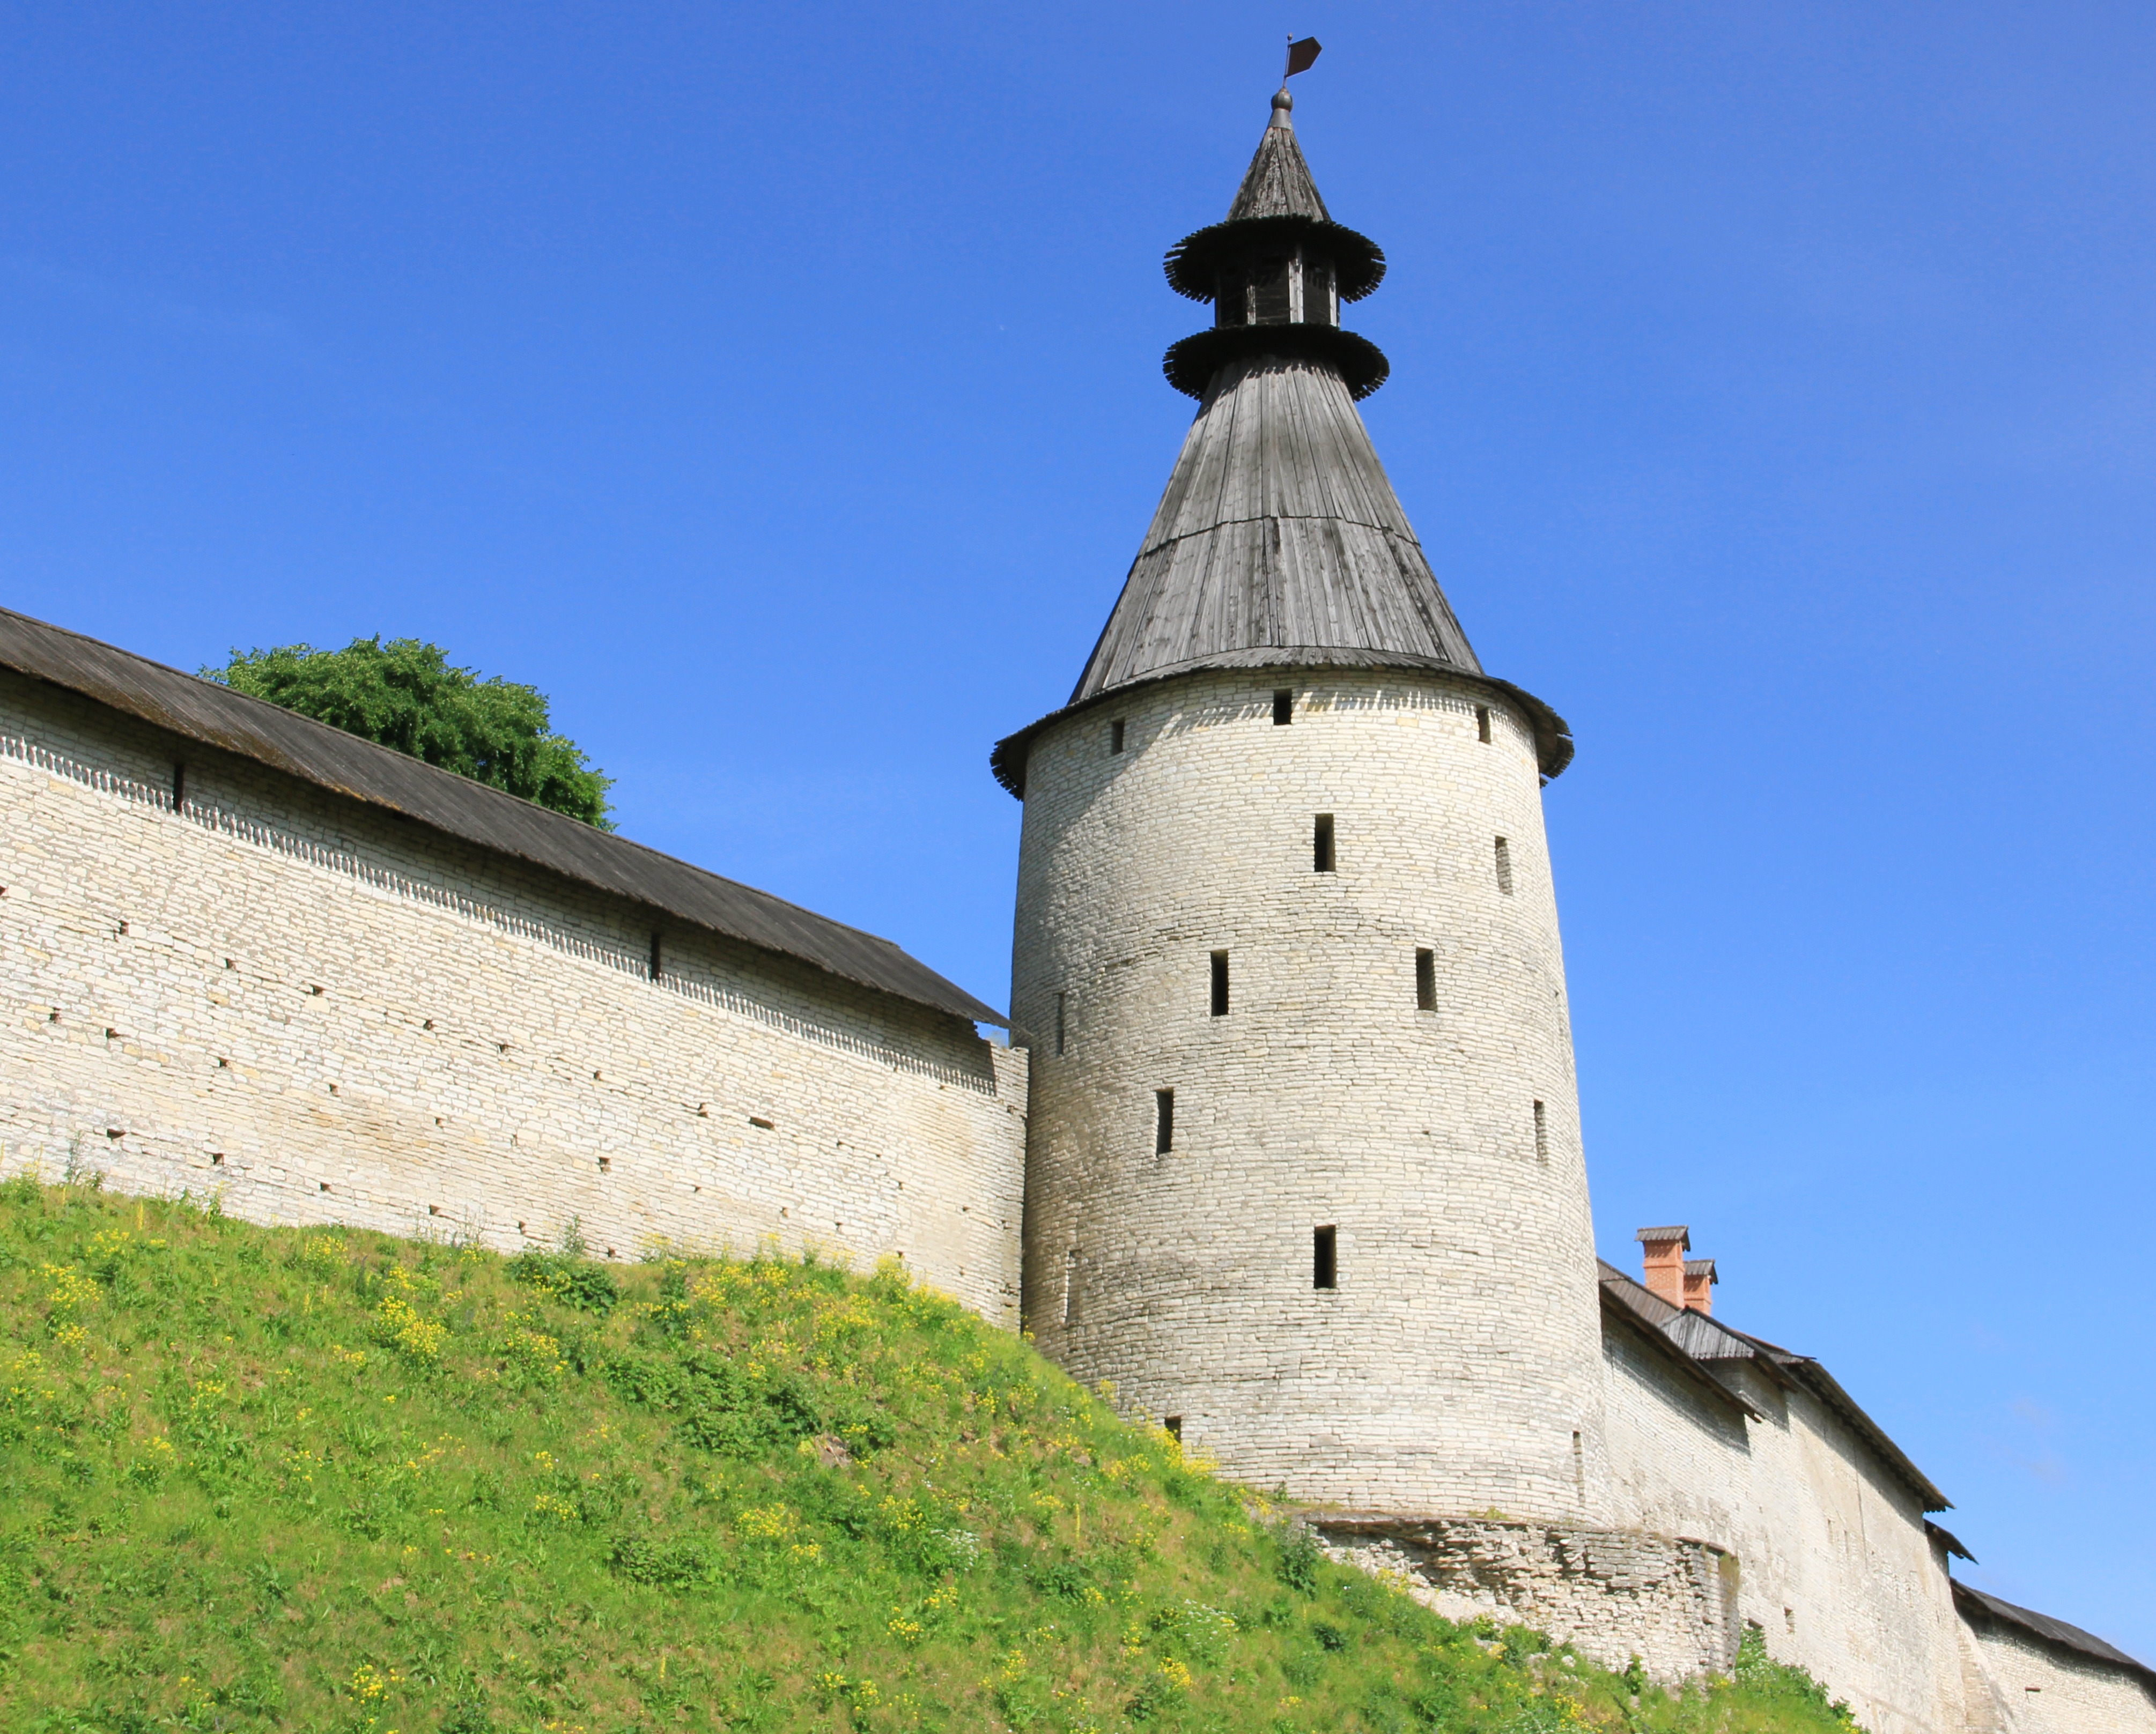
1611, 1594
1455, 1367
336, 1015
2018, 1684
1836, 1569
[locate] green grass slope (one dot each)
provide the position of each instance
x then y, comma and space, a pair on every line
262, 1479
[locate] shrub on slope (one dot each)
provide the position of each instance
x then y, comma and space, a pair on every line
265, 1478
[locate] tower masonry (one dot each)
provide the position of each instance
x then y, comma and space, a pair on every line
1304, 1173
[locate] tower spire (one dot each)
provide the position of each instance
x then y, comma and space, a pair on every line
1278, 541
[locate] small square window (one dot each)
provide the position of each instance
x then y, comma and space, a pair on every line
1283, 707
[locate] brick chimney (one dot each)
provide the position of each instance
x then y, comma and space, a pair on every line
1699, 1281
1665, 1249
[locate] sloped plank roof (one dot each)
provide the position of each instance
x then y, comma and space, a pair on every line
215, 715
1617, 1306
1706, 1340
1278, 182
1279, 529
2053, 1631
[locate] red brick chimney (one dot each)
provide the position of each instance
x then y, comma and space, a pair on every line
1665, 1250
1699, 1281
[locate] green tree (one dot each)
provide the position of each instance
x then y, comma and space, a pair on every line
404, 694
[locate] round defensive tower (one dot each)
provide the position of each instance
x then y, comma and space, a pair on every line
1304, 1175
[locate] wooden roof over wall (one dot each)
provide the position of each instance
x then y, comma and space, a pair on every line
378, 777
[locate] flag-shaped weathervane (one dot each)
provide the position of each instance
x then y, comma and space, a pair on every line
1301, 56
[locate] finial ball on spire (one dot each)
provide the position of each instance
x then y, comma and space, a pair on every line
1282, 101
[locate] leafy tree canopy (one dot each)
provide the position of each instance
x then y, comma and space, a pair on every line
404, 694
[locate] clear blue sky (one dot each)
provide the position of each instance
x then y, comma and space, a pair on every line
1773, 386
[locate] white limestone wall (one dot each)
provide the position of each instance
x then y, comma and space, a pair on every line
2018, 1684
336, 1015
1614, 1594
1456, 1367
1835, 1567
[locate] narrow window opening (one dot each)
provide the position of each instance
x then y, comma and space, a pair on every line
1425, 979
1579, 1467
1541, 1133
1790, 1619
1116, 736
606, 1165
1220, 984
1283, 707
179, 786
1482, 723
1070, 1286
1172, 1425
1317, 292
1322, 843
1062, 1025
657, 962
1324, 1258
1163, 1121
1504, 867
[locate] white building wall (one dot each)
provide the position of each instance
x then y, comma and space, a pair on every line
1835, 1567
1456, 1368
337, 1015
2019, 1685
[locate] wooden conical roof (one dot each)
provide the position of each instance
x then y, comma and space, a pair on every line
1279, 539
1278, 542
1278, 181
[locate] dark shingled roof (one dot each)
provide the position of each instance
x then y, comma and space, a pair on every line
1278, 542
2052, 1631
471, 812
1278, 182
1279, 528
1708, 1340
1617, 1307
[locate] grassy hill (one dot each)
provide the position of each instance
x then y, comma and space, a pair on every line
302, 1480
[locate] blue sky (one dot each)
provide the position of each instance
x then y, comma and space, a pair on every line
1773, 388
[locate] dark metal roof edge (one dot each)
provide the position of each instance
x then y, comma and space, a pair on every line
1619, 1307
1822, 1384
934, 991
2051, 1629
1948, 1540
1553, 742
1789, 1368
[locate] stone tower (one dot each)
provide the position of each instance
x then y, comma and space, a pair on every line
1303, 1176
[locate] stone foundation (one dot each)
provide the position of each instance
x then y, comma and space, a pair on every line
1611, 1594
